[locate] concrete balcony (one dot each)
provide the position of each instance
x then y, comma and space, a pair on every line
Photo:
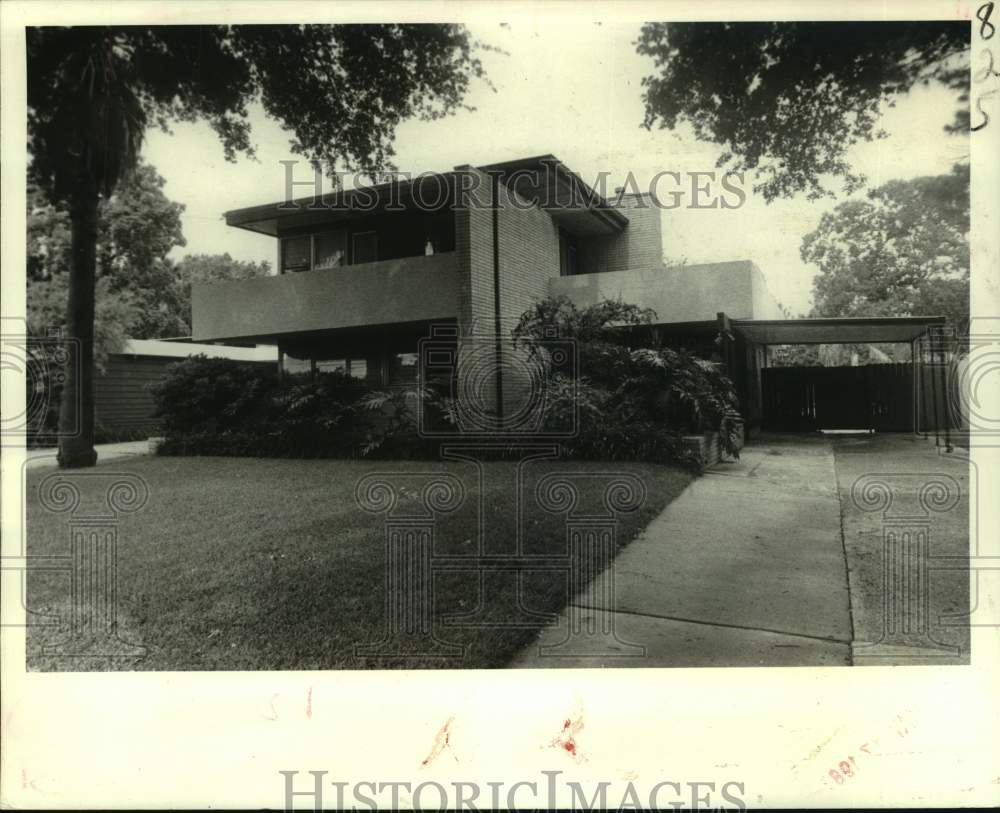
389, 292
690, 293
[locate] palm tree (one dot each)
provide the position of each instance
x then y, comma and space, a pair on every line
340, 89
92, 109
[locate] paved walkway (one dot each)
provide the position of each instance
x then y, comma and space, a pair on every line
745, 568
42, 458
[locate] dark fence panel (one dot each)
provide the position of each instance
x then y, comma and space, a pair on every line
873, 397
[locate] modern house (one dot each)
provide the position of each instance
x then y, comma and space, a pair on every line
365, 274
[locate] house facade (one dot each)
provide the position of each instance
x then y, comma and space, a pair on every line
450, 261
364, 275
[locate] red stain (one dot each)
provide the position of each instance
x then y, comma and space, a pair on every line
26, 783
442, 740
567, 737
309, 703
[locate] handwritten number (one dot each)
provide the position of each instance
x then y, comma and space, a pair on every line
983, 113
987, 70
986, 28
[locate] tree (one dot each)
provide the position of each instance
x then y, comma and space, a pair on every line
137, 227
789, 99
200, 268
92, 91
902, 251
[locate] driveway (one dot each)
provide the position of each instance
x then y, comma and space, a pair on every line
906, 535
745, 568
809, 551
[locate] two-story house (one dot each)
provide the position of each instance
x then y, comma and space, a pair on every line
364, 274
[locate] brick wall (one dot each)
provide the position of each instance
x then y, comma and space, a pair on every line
640, 246
528, 242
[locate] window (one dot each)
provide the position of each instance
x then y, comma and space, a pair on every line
296, 253
364, 247
332, 366
330, 249
568, 260
356, 368
295, 366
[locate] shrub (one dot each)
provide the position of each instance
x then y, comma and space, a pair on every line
633, 399
202, 395
221, 407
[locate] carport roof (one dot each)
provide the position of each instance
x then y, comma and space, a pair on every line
847, 330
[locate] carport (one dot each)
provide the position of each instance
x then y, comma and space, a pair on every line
907, 397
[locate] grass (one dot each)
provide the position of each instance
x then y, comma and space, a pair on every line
271, 564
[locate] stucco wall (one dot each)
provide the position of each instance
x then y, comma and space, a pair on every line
405, 290
691, 293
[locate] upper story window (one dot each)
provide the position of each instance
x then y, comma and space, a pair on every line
296, 253
331, 249
364, 247
569, 260
374, 239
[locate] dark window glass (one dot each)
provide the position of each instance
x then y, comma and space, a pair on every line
364, 247
331, 249
568, 257
296, 253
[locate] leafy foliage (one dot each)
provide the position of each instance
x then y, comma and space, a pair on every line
632, 399
92, 91
141, 293
787, 100
218, 406
341, 89
903, 251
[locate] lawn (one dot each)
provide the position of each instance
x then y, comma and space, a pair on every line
271, 564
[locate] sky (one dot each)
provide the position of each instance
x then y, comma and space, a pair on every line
571, 89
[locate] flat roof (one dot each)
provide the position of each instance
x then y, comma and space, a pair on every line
342, 204
164, 349
841, 330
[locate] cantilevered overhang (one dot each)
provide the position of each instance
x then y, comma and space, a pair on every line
542, 180
847, 330
554, 187
427, 192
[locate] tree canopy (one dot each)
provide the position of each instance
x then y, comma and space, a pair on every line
901, 251
787, 100
340, 90
142, 293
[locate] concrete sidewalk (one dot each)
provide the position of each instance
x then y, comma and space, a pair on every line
920, 619
44, 458
745, 568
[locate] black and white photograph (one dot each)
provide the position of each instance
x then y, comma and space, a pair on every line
371, 346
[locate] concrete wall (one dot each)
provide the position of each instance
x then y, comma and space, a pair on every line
404, 290
765, 306
691, 293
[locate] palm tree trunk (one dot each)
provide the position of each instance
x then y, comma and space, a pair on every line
76, 410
